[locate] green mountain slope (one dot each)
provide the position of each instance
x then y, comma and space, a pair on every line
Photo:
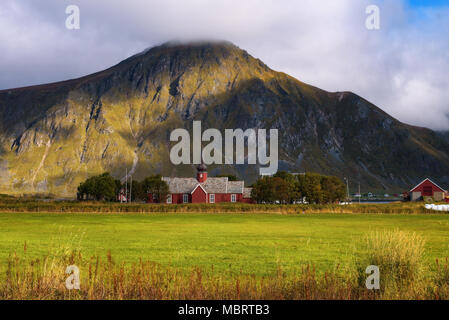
53, 136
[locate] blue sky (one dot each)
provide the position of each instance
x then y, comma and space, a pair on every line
428, 3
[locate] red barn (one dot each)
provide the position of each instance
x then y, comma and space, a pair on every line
205, 190
427, 188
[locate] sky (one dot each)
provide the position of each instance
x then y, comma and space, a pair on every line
402, 67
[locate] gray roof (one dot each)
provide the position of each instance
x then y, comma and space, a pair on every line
215, 185
235, 186
180, 185
247, 193
212, 185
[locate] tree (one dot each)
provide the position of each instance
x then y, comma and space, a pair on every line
287, 188
86, 189
282, 190
102, 187
118, 186
262, 191
272, 189
157, 187
333, 189
310, 187
293, 185
105, 187
139, 192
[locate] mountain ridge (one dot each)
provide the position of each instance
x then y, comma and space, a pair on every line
55, 135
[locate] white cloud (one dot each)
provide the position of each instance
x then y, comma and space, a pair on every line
402, 68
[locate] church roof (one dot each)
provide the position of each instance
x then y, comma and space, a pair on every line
247, 193
212, 185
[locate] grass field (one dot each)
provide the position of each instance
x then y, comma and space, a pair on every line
249, 243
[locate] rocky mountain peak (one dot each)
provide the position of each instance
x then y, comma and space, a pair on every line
53, 136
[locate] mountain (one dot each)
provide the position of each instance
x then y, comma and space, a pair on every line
55, 135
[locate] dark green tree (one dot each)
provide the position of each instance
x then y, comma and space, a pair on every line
333, 188
138, 192
157, 187
272, 189
282, 190
293, 185
102, 187
262, 191
310, 187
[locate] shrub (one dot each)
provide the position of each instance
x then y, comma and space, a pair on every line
398, 255
441, 280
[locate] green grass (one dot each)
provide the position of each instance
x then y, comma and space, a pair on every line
248, 243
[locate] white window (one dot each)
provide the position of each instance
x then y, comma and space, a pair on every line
212, 198
169, 199
185, 198
233, 198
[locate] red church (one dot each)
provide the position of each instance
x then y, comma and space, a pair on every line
205, 190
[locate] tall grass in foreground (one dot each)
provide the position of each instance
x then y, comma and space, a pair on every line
398, 255
103, 279
441, 280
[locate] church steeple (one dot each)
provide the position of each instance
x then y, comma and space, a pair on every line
201, 174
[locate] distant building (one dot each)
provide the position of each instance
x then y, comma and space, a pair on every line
427, 188
121, 197
205, 190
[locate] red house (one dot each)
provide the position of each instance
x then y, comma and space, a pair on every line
428, 188
205, 190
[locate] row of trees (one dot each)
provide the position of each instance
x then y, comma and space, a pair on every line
310, 187
105, 188
282, 187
